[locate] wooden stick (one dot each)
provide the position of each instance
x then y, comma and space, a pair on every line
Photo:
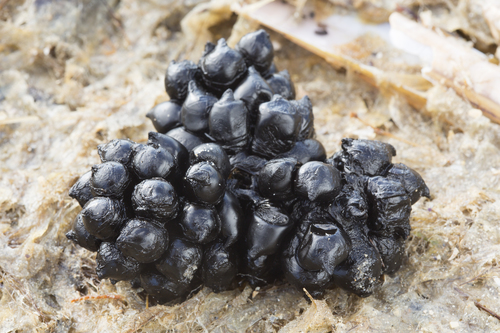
485, 309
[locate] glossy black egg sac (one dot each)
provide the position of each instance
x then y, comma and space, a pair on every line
323, 247
253, 91
272, 70
152, 161
142, 240
112, 264
411, 181
275, 179
221, 66
165, 116
360, 273
257, 49
214, 154
231, 219
186, 138
80, 236
304, 108
390, 207
351, 204
103, 217
117, 151
181, 261
200, 224
267, 228
204, 184
109, 179
248, 163
174, 147
161, 288
301, 251
196, 108
315, 282
318, 181
179, 153
366, 157
81, 189
228, 123
306, 151
177, 78
277, 128
219, 267
392, 251
155, 198
281, 84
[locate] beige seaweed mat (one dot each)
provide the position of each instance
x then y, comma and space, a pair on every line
74, 74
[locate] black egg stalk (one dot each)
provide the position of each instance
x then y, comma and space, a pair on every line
219, 267
234, 187
272, 70
231, 219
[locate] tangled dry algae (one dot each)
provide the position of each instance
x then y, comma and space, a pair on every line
343, 222
453, 245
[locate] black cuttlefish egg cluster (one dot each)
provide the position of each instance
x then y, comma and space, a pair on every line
234, 186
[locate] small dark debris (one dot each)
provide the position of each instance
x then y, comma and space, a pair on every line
321, 31
37, 94
82, 289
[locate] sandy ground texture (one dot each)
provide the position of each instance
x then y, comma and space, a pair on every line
75, 74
